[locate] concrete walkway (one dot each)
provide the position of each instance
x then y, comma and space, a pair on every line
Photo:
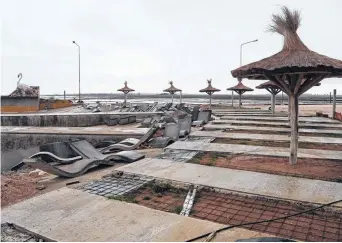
270, 123
293, 188
268, 114
96, 130
73, 215
256, 150
277, 118
273, 129
265, 137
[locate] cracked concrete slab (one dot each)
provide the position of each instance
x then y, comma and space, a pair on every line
73, 215
102, 130
285, 124
256, 150
265, 137
293, 188
273, 129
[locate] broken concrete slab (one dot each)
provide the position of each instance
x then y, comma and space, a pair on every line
285, 124
255, 150
265, 137
287, 187
277, 118
73, 215
273, 129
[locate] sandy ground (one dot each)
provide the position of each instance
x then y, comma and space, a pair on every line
18, 186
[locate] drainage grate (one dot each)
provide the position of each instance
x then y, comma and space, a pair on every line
115, 185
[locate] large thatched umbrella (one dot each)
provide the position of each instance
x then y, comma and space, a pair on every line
126, 90
209, 90
172, 90
295, 69
273, 89
240, 89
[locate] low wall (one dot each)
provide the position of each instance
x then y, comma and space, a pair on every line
54, 104
19, 104
67, 120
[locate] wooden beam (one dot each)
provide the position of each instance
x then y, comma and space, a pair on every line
298, 83
310, 83
280, 81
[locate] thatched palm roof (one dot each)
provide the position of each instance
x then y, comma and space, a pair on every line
294, 58
209, 89
126, 89
172, 89
268, 84
240, 87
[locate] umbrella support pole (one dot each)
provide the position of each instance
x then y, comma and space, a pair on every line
294, 129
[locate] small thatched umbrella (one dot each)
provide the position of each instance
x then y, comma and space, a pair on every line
273, 89
172, 90
209, 90
295, 69
240, 88
126, 90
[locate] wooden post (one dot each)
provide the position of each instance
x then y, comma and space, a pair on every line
334, 105
232, 98
125, 99
294, 129
239, 100
64, 94
180, 97
172, 98
282, 95
289, 108
210, 100
273, 103
330, 98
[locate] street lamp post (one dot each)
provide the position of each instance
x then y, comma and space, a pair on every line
79, 71
241, 62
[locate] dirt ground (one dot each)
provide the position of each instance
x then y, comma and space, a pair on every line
307, 168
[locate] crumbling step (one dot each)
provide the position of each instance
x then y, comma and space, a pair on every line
277, 118
273, 129
265, 137
256, 150
270, 123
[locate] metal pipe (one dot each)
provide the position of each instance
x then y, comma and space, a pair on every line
241, 49
334, 104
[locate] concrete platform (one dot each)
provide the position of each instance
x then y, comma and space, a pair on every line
273, 129
293, 188
250, 114
256, 150
285, 124
277, 118
265, 137
96, 130
73, 215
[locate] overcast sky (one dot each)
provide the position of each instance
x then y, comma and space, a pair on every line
149, 42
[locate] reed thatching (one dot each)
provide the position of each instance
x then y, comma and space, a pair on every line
295, 57
126, 89
172, 88
209, 89
240, 87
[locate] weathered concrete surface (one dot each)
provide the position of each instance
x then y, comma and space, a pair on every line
285, 124
73, 215
273, 129
264, 137
256, 150
68, 119
287, 187
277, 118
262, 114
13, 138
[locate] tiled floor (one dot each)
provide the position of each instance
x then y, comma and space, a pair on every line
235, 209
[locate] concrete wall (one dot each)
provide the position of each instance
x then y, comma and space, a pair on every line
19, 104
64, 120
16, 147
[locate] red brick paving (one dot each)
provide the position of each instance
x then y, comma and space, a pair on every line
320, 225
